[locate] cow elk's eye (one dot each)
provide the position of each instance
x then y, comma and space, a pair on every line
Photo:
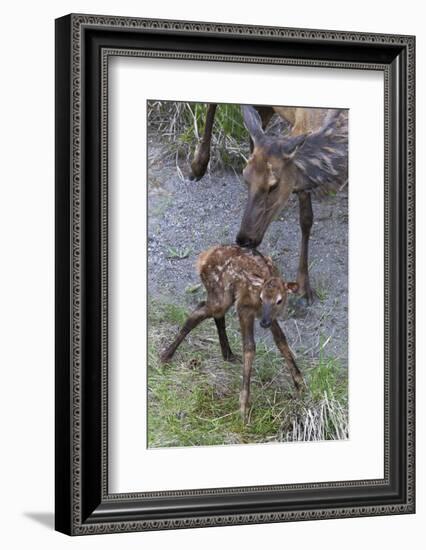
279, 301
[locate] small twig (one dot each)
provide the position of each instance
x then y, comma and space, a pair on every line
217, 418
298, 331
326, 342
179, 171
208, 340
343, 185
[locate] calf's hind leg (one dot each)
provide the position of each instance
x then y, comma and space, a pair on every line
282, 345
224, 342
200, 313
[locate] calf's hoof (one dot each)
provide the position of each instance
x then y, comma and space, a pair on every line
299, 384
244, 407
244, 415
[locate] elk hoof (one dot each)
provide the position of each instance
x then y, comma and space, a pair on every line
231, 358
307, 296
198, 169
310, 296
166, 356
244, 409
244, 415
299, 384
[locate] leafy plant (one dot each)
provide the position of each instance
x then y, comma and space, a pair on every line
180, 125
178, 253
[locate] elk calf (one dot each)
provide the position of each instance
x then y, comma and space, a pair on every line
232, 274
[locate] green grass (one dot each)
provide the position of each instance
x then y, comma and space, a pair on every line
194, 400
180, 125
321, 293
193, 289
324, 415
321, 290
178, 253
158, 206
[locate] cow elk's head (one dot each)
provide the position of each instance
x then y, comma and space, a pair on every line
270, 177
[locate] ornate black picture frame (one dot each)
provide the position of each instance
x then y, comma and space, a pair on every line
83, 45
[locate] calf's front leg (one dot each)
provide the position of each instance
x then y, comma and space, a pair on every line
281, 343
246, 318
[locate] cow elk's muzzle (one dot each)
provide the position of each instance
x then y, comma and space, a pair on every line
247, 242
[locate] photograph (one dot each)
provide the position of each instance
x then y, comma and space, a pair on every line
247, 292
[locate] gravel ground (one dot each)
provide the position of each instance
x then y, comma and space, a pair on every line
186, 217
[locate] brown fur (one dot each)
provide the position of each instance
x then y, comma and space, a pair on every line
233, 275
312, 158
302, 121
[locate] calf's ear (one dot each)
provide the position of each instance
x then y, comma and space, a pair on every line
292, 288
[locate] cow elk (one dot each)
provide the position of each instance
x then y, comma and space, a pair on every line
232, 274
311, 159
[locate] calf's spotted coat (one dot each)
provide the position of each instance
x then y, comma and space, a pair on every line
246, 278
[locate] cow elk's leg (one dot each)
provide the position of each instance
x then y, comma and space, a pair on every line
306, 220
201, 312
249, 348
282, 345
224, 342
202, 153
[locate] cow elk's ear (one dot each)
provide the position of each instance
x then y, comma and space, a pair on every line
292, 288
252, 122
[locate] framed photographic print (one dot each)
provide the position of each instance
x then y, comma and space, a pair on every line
234, 274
